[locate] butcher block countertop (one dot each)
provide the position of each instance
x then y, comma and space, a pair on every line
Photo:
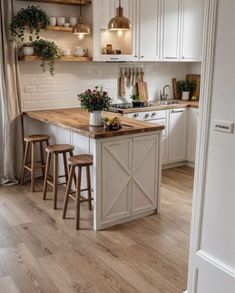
77, 120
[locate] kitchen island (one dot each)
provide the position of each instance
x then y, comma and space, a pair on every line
127, 162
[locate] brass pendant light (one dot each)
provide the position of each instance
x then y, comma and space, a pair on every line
119, 22
81, 29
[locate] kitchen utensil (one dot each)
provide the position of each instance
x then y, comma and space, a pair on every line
128, 82
133, 82
80, 51
142, 86
60, 21
52, 20
122, 88
73, 21
197, 79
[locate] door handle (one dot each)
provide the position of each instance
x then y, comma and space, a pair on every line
177, 111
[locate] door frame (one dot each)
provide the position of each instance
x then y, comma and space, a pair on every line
195, 253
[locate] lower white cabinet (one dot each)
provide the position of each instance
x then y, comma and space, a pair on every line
177, 136
192, 134
129, 171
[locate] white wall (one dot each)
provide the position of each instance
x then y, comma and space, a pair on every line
213, 261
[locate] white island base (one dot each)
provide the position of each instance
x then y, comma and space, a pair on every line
126, 172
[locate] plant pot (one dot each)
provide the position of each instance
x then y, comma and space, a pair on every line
137, 104
96, 118
28, 50
185, 96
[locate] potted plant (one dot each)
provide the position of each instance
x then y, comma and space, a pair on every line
32, 18
185, 87
49, 52
137, 100
95, 101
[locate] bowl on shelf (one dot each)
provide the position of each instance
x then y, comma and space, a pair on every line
66, 24
60, 21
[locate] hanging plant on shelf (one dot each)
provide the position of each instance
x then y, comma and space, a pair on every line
32, 18
49, 52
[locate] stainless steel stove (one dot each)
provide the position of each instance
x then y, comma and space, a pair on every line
123, 106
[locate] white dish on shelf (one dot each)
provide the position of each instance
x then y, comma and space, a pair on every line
66, 24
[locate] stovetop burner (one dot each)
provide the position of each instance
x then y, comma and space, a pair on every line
128, 106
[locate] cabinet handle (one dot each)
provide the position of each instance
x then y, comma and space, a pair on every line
113, 58
142, 56
177, 111
135, 56
172, 58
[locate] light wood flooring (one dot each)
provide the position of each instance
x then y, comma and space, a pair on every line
40, 252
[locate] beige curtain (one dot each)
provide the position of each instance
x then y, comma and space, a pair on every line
10, 111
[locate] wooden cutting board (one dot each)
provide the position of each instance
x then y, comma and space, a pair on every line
177, 95
142, 87
197, 79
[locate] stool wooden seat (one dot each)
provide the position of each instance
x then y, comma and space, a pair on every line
56, 150
31, 141
79, 162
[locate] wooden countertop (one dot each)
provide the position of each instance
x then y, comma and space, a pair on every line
155, 106
77, 120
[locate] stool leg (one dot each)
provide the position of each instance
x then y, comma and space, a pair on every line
46, 175
42, 159
33, 167
65, 167
68, 188
88, 180
77, 201
55, 180
75, 179
24, 163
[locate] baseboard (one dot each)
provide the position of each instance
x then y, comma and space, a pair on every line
178, 164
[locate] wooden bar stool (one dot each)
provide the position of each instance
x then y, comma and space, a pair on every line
56, 150
79, 162
31, 141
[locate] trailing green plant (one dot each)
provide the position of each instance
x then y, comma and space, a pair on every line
33, 18
49, 52
136, 97
95, 100
186, 86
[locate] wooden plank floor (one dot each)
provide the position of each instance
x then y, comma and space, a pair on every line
40, 252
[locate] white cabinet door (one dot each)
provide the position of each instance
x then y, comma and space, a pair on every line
171, 13
177, 135
104, 11
192, 134
144, 174
149, 30
116, 179
192, 29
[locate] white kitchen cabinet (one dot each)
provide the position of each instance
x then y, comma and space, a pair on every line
148, 37
192, 30
192, 134
177, 135
171, 15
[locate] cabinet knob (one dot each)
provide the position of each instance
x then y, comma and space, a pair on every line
135, 56
142, 56
146, 115
136, 115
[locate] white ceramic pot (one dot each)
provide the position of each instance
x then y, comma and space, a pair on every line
28, 51
96, 118
52, 20
66, 52
73, 21
185, 96
60, 21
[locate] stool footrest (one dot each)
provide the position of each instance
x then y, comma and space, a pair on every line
36, 167
82, 199
58, 183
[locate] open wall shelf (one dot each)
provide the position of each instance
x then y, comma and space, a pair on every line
61, 59
63, 2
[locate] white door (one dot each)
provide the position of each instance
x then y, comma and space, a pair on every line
149, 30
171, 29
192, 134
177, 135
192, 29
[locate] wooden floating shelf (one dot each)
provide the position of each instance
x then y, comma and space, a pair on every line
63, 2
61, 59
60, 29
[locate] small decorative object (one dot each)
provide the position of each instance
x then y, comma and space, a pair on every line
53, 21
109, 49
66, 52
49, 52
185, 87
137, 100
95, 101
60, 21
73, 21
66, 24
112, 123
28, 49
32, 18
81, 51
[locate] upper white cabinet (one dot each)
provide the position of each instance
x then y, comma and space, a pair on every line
192, 29
177, 135
170, 29
162, 30
149, 30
